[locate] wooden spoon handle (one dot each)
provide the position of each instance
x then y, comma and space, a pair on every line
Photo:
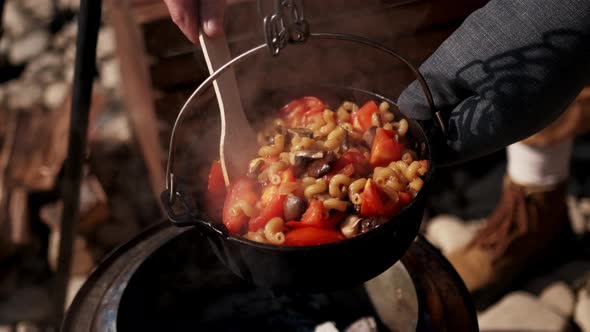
238, 140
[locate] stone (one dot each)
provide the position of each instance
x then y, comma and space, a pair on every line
110, 76
23, 95
69, 72
55, 94
106, 43
521, 311
582, 311
450, 233
66, 36
41, 9
46, 62
15, 22
365, 324
574, 273
577, 218
560, 297
114, 130
326, 327
69, 54
29, 46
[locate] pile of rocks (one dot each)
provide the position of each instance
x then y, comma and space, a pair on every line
48, 56
556, 301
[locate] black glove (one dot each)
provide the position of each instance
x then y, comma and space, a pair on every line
510, 69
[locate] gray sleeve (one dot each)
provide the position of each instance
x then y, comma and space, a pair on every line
509, 70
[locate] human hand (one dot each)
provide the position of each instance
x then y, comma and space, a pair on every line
192, 15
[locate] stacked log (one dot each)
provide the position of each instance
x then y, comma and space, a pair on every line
37, 55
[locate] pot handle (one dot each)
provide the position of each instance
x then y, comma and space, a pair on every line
189, 216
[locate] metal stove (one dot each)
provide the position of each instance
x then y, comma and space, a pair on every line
168, 279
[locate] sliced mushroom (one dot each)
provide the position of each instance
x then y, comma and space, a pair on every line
281, 130
303, 132
255, 167
368, 224
350, 227
309, 154
321, 167
302, 158
294, 207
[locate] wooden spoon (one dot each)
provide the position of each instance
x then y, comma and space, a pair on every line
237, 144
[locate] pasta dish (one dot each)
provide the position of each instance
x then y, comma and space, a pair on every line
321, 175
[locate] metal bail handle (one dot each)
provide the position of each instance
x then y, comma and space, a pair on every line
286, 24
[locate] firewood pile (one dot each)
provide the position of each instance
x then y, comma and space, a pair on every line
37, 55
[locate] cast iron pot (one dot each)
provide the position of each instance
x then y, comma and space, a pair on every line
315, 268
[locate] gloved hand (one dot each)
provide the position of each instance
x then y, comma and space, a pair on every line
511, 69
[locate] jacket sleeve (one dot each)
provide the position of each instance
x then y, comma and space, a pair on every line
509, 70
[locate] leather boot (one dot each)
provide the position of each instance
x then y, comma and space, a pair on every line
524, 229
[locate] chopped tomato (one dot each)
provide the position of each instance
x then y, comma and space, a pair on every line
424, 163
286, 188
315, 216
348, 170
215, 190
298, 110
404, 198
353, 158
295, 224
376, 203
385, 148
273, 209
216, 183
287, 176
365, 114
241, 189
311, 236
267, 194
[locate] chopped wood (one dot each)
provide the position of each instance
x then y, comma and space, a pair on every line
40, 144
18, 212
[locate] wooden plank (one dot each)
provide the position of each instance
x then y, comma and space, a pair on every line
137, 94
145, 11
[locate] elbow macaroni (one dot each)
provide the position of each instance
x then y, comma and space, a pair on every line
347, 178
337, 182
273, 231
318, 187
275, 149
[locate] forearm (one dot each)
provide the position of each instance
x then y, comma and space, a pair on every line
507, 72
